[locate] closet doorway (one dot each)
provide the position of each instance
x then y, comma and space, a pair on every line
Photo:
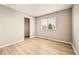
26, 27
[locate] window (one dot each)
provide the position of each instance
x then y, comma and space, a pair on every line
44, 25
48, 24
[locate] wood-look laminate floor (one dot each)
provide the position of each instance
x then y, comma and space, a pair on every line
38, 46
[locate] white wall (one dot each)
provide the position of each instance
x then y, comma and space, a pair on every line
32, 27
12, 25
75, 27
63, 30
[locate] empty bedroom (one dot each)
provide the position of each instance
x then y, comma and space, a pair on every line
39, 29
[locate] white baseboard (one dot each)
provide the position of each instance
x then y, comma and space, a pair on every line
32, 36
74, 49
54, 39
62, 41
14, 42
10, 44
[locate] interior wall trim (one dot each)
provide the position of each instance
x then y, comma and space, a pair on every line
74, 49
10, 44
54, 40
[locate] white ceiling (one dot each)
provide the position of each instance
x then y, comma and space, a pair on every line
38, 9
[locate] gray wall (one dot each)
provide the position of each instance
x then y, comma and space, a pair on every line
75, 23
12, 26
64, 26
